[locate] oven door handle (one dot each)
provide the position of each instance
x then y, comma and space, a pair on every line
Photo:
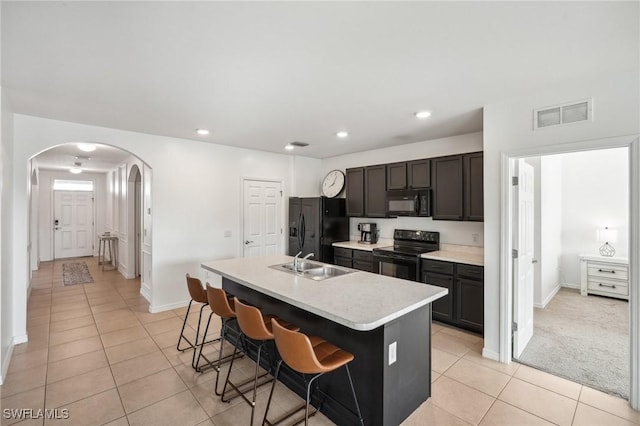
394, 257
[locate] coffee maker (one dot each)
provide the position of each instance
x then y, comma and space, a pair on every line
368, 233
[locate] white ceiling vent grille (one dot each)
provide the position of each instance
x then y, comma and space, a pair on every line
557, 115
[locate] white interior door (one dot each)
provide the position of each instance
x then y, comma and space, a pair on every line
523, 264
73, 224
262, 221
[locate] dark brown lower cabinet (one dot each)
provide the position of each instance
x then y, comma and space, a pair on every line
464, 305
356, 259
441, 309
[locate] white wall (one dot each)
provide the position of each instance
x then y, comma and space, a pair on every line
46, 208
595, 194
451, 232
551, 242
7, 291
196, 196
307, 175
508, 129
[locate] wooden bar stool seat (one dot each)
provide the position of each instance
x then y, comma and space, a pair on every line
257, 332
308, 355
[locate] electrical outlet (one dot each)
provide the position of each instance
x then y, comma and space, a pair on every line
475, 238
393, 352
227, 233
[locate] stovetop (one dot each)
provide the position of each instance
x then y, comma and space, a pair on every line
412, 243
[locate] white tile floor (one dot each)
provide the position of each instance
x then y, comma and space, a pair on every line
95, 350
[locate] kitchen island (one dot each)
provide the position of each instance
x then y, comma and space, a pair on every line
385, 322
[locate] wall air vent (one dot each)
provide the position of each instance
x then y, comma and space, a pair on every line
557, 115
298, 143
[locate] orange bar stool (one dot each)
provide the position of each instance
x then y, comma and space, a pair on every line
198, 295
308, 355
256, 331
223, 306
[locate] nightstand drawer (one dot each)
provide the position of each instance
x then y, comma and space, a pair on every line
608, 286
607, 271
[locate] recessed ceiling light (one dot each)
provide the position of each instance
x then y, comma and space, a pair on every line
289, 147
342, 134
423, 114
75, 170
86, 147
202, 132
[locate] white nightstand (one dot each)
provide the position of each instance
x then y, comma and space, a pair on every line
605, 276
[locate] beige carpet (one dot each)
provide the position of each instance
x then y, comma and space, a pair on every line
584, 339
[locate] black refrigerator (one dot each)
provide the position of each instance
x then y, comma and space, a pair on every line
315, 223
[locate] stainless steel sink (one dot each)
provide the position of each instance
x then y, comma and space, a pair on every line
325, 272
303, 265
312, 270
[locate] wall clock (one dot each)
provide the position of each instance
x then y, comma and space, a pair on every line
333, 183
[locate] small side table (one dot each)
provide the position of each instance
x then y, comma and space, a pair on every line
112, 242
604, 276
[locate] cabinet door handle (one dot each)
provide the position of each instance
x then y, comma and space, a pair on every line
606, 285
611, 271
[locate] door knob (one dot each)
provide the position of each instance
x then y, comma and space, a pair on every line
534, 261
248, 242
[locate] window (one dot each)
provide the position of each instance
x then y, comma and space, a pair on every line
72, 185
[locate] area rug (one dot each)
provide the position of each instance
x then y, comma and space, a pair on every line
76, 273
584, 339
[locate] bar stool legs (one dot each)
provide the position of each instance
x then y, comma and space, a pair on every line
308, 355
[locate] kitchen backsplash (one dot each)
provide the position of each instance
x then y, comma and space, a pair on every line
451, 232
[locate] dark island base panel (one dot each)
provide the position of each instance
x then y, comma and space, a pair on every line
387, 394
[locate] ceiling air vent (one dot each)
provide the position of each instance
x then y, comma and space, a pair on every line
557, 115
298, 143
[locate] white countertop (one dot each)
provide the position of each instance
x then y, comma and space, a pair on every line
360, 246
469, 255
361, 300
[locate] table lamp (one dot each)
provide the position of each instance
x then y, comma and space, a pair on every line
607, 235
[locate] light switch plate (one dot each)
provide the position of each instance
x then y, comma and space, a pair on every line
227, 233
393, 352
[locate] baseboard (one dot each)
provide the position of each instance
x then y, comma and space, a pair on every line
569, 285
17, 340
5, 362
487, 353
167, 307
546, 301
145, 291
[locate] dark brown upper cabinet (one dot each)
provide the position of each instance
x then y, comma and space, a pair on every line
409, 175
355, 191
397, 176
458, 187
419, 174
375, 182
473, 187
448, 188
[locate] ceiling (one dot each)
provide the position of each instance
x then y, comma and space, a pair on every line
262, 74
63, 157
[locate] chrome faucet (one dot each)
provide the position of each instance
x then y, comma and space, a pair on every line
296, 260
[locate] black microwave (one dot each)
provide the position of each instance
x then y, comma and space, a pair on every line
408, 203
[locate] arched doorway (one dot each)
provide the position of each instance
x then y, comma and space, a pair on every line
120, 179
134, 207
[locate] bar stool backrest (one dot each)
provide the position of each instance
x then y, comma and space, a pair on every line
196, 291
251, 321
219, 303
296, 350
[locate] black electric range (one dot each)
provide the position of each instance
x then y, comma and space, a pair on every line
402, 260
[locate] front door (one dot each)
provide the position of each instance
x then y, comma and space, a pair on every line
523, 263
73, 224
262, 222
